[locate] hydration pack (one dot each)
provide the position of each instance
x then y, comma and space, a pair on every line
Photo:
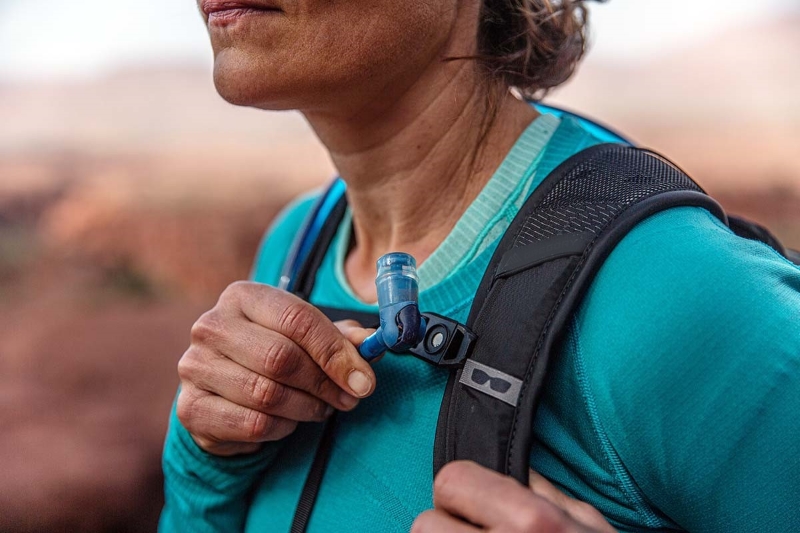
535, 281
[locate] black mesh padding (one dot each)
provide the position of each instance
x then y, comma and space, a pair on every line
595, 191
572, 221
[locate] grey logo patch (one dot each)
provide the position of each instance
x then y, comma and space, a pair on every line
490, 381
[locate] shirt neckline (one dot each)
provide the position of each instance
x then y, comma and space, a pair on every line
475, 230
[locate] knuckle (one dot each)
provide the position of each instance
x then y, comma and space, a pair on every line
186, 365
196, 366
207, 328
186, 409
297, 321
266, 393
278, 360
257, 425
541, 516
236, 290
238, 294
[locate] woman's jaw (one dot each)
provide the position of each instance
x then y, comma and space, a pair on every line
324, 55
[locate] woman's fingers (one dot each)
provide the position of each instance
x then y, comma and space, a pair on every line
304, 324
214, 422
480, 495
580, 511
236, 383
498, 503
262, 360
542, 487
269, 354
353, 331
434, 521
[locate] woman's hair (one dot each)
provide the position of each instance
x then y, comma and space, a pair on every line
531, 45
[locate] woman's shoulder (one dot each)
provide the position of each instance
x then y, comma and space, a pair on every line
689, 346
682, 275
279, 238
682, 293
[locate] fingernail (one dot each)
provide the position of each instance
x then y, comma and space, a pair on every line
359, 383
328, 411
348, 400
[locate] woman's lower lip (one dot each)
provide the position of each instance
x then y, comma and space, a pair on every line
229, 16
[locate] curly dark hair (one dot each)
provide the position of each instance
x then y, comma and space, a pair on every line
532, 45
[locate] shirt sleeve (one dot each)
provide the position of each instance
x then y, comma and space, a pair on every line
691, 341
203, 492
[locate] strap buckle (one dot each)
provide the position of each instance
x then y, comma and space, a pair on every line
446, 343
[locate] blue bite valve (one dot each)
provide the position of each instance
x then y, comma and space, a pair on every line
401, 327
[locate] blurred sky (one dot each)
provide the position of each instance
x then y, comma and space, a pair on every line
41, 39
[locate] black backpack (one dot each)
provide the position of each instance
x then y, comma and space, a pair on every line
535, 280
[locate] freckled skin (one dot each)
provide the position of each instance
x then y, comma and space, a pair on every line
323, 55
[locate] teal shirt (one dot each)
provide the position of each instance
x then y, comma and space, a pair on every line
672, 404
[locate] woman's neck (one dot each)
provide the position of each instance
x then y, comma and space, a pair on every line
414, 162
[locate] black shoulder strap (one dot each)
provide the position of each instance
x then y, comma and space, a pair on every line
535, 280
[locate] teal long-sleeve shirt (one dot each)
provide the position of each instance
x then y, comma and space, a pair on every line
673, 401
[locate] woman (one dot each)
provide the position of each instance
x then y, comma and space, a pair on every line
645, 416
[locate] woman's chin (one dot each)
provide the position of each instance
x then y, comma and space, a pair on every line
250, 87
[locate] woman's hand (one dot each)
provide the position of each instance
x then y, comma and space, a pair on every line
468, 497
261, 361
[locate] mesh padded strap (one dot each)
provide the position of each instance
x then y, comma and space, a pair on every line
535, 280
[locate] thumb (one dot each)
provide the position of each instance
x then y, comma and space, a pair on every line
353, 331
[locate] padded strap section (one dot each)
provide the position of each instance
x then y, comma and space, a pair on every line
535, 280
524, 257
517, 306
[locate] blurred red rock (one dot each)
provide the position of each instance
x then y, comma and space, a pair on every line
103, 269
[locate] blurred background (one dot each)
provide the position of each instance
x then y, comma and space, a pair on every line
131, 195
